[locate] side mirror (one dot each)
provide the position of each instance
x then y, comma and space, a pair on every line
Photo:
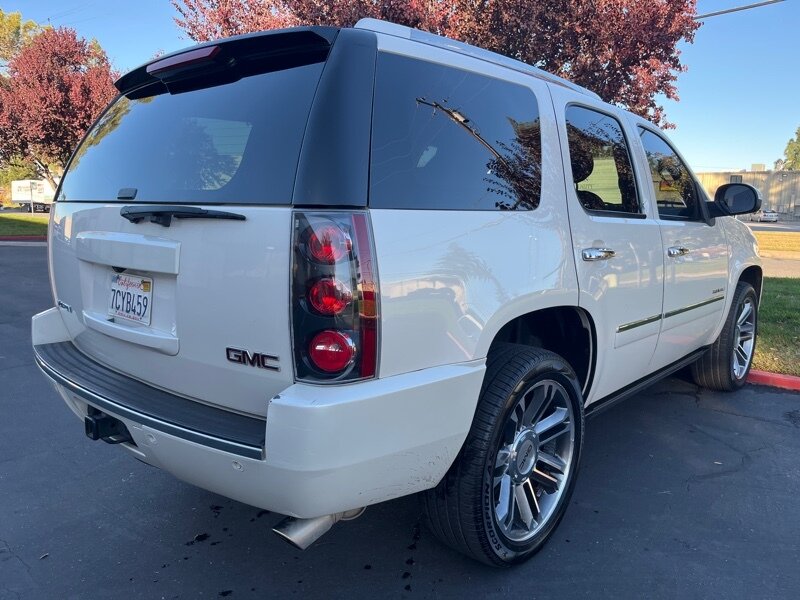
735, 199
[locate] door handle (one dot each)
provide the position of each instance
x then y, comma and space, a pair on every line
592, 254
675, 251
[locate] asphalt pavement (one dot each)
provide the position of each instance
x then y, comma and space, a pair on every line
682, 493
778, 226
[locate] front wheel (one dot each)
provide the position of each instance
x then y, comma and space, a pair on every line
726, 364
509, 487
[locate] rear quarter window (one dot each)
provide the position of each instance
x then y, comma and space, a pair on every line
236, 143
445, 138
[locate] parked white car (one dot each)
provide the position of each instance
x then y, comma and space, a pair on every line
766, 216
317, 269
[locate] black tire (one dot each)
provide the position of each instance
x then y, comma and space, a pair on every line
714, 370
460, 510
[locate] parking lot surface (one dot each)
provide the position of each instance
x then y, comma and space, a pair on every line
779, 226
683, 493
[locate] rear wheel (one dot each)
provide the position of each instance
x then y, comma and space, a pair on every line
726, 364
510, 485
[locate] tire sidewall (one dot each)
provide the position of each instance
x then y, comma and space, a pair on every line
507, 551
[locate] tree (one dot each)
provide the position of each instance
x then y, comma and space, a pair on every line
792, 153
625, 50
205, 20
15, 169
14, 34
57, 85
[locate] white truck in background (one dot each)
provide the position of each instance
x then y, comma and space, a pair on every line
36, 194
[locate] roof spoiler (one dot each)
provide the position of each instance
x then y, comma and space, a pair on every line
235, 57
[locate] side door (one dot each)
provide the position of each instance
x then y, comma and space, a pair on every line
695, 252
615, 239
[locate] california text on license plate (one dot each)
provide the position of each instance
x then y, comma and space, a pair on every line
131, 298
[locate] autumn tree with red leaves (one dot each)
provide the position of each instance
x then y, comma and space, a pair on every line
625, 50
56, 86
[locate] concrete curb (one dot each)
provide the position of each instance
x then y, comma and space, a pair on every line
786, 382
23, 238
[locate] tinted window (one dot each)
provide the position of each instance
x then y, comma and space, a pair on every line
673, 185
232, 143
447, 138
601, 164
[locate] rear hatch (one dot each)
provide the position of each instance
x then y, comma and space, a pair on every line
171, 236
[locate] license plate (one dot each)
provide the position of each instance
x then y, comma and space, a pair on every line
131, 298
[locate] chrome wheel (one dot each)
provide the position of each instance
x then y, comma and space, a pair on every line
744, 339
533, 463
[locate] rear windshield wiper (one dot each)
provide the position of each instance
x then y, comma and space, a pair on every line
163, 214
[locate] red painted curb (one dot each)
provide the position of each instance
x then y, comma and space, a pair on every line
786, 382
23, 238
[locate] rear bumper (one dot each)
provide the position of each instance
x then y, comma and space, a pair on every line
321, 450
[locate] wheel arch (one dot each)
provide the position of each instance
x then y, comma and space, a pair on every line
754, 276
569, 331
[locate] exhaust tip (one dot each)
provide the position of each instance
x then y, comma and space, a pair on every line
280, 531
301, 533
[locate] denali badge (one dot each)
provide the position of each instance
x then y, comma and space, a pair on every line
253, 359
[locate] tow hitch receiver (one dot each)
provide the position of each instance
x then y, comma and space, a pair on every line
100, 426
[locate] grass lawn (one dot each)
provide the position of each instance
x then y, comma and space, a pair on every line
23, 224
781, 241
778, 346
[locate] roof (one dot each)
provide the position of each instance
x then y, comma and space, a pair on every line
445, 43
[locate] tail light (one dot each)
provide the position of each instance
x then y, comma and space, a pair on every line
335, 303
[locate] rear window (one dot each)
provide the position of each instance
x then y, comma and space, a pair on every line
444, 138
236, 143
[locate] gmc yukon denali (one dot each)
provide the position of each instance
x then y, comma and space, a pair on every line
316, 269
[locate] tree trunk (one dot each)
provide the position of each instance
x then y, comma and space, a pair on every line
44, 171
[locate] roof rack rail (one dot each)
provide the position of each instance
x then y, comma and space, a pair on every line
438, 41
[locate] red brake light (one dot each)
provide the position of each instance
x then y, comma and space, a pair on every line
328, 244
335, 297
329, 296
331, 351
182, 60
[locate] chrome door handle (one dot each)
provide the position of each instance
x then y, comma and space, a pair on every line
591, 254
675, 251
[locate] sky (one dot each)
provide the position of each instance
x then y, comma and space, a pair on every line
739, 100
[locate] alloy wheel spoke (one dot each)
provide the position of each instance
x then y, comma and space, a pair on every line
553, 462
746, 310
547, 481
509, 432
501, 463
557, 418
505, 504
532, 493
539, 401
554, 433
745, 336
524, 506
741, 356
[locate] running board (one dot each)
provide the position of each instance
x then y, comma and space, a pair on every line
637, 386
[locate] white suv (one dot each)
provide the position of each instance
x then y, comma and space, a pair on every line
317, 269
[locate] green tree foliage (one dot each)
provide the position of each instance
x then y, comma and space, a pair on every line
792, 153
14, 34
17, 168
57, 85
